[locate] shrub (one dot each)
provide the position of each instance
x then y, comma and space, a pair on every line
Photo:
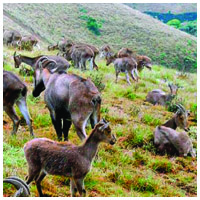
189, 27
24, 71
171, 106
174, 22
97, 79
83, 10
92, 24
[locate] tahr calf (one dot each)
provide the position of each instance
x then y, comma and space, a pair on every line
45, 156
69, 98
142, 60
126, 65
167, 139
15, 91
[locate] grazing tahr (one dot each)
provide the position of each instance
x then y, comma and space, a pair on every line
166, 138
52, 47
28, 42
125, 52
126, 65
62, 63
106, 51
69, 98
159, 97
45, 156
64, 44
142, 61
93, 48
80, 54
15, 92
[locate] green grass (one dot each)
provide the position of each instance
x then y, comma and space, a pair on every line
150, 120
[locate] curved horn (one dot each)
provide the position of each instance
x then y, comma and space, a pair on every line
181, 108
20, 185
48, 61
21, 181
45, 64
41, 60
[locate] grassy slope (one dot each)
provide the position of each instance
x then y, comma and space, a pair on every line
164, 44
131, 167
174, 8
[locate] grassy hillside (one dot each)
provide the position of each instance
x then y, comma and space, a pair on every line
121, 26
174, 8
130, 168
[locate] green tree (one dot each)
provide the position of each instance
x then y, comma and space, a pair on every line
175, 23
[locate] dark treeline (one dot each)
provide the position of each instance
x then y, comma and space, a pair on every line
165, 17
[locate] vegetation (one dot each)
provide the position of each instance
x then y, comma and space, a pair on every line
130, 168
141, 33
189, 27
176, 23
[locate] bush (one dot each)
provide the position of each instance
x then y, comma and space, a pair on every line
97, 79
92, 24
174, 22
172, 106
189, 27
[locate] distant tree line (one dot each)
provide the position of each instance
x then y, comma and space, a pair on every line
165, 17
185, 22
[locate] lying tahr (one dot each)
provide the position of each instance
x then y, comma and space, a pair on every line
159, 97
167, 139
180, 141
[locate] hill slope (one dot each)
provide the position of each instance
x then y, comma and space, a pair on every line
130, 168
122, 26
